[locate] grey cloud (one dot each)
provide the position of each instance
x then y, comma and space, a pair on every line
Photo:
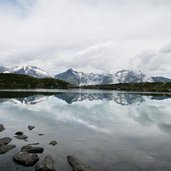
92, 35
166, 49
156, 63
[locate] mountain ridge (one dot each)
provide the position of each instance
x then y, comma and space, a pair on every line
81, 78
32, 71
123, 76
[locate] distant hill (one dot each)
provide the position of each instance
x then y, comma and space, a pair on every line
15, 81
139, 87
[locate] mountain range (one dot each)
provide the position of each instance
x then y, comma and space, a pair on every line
73, 97
123, 76
81, 78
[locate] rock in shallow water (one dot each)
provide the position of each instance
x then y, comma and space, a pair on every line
53, 143
34, 144
26, 159
46, 165
5, 141
31, 127
30, 149
6, 148
77, 165
1, 127
3, 145
19, 133
21, 137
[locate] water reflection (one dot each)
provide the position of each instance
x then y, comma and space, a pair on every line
106, 130
71, 97
120, 98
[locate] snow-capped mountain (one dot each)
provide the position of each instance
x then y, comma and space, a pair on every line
80, 78
32, 71
123, 76
127, 76
4, 70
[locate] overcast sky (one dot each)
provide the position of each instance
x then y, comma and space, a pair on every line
87, 35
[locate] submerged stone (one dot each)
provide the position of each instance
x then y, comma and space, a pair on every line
47, 164
77, 165
30, 149
19, 133
6, 148
1, 127
31, 127
53, 143
26, 159
5, 141
21, 137
34, 144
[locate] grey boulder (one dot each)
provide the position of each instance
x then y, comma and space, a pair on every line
19, 133
30, 149
5, 140
34, 144
1, 127
26, 159
47, 164
31, 127
53, 143
6, 148
77, 165
21, 137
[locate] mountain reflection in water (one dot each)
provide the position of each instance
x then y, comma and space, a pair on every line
71, 97
107, 130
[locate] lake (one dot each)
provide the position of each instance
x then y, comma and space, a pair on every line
106, 130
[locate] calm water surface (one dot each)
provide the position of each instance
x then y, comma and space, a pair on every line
107, 130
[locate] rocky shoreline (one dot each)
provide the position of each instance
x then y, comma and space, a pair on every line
28, 154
